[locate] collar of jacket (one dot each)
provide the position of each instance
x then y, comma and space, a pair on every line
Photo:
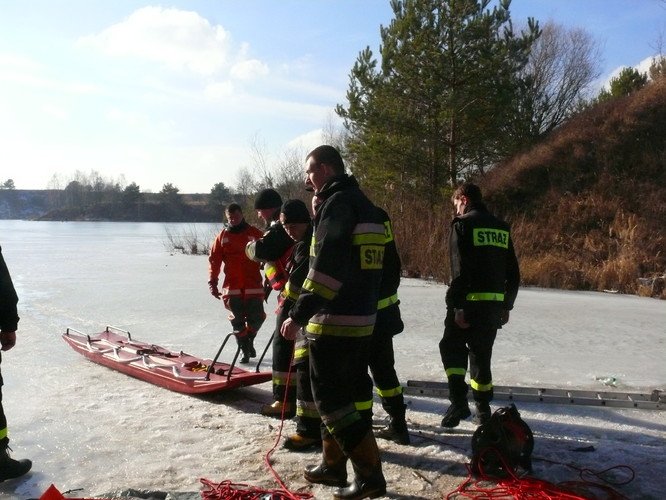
238, 228
478, 206
335, 184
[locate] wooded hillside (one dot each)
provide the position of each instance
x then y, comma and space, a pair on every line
587, 205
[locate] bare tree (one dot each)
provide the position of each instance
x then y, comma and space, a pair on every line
562, 65
289, 174
260, 167
245, 182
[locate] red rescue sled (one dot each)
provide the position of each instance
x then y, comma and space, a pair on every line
176, 371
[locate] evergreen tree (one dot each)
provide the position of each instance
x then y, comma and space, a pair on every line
431, 113
219, 196
625, 83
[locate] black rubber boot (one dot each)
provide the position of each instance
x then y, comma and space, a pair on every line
333, 468
369, 480
396, 430
10, 468
244, 344
251, 351
457, 411
483, 413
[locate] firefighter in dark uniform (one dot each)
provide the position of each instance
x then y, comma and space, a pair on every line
9, 468
382, 357
337, 307
274, 249
484, 286
296, 220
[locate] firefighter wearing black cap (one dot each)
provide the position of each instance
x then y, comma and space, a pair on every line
484, 286
337, 308
296, 220
274, 249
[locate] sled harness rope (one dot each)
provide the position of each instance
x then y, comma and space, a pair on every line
226, 490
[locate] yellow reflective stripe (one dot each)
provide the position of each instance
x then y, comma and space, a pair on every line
363, 405
301, 353
388, 393
487, 236
369, 239
456, 371
3, 433
307, 412
369, 233
288, 294
294, 289
388, 301
489, 296
319, 289
480, 387
280, 378
333, 424
339, 330
388, 231
270, 269
341, 418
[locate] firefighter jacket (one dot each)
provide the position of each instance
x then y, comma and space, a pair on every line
340, 293
297, 268
273, 248
389, 321
241, 275
484, 267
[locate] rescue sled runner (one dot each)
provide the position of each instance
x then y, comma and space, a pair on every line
176, 371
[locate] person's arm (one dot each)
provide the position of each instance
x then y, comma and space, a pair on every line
215, 258
8, 308
271, 246
512, 281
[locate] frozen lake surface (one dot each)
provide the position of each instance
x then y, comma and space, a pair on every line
85, 426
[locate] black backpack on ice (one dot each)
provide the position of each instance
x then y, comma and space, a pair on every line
504, 441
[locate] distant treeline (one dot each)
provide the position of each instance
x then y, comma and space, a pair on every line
53, 204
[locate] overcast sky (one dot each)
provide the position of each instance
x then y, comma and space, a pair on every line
176, 92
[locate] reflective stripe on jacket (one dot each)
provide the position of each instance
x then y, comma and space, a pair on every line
484, 268
340, 294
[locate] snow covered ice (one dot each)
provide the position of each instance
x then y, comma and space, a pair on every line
86, 426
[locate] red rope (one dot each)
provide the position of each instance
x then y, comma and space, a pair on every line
516, 487
226, 490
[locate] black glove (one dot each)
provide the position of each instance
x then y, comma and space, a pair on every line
212, 286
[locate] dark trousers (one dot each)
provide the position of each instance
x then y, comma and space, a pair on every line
342, 388
245, 312
308, 423
283, 350
382, 367
456, 348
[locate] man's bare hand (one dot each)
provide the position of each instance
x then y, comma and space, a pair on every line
460, 319
289, 329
